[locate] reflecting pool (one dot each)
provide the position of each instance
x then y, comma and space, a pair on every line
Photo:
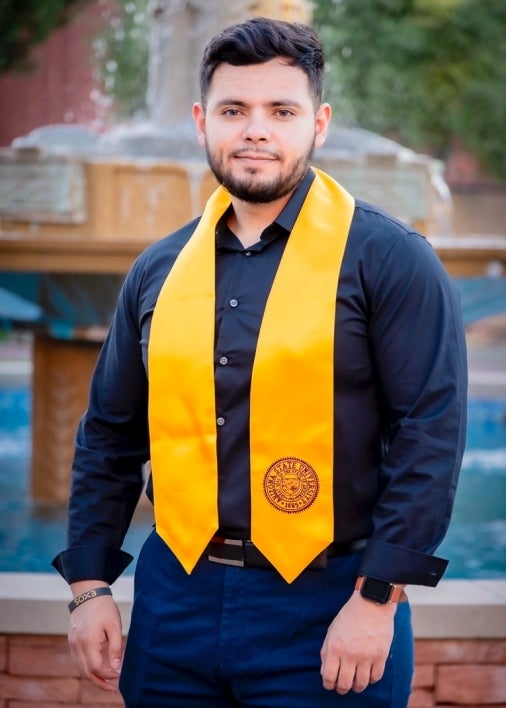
30, 536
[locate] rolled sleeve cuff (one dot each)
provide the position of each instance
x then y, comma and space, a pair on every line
91, 563
400, 565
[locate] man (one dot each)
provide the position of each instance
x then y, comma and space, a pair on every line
305, 363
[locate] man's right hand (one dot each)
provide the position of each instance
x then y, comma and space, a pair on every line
95, 637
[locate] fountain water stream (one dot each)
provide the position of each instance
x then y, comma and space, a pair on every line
179, 31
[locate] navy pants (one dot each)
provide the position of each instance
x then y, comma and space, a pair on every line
228, 637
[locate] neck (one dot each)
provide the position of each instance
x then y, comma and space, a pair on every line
248, 220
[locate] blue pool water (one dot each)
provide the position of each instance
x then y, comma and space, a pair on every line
30, 536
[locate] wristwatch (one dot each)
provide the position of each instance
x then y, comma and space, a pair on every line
379, 591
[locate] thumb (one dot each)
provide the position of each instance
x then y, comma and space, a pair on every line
115, 658
115, 651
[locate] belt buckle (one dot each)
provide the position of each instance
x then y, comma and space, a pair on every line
228, 561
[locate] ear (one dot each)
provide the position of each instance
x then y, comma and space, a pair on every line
322, 121
199, 116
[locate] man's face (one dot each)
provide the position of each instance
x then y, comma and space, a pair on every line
259, 128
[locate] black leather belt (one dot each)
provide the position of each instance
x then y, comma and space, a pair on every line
244, 554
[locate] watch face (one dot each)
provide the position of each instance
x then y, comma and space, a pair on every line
377, 590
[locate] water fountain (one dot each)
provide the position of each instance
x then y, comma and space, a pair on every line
65, 223
76, 208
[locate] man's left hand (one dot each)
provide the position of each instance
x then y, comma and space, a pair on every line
357, 644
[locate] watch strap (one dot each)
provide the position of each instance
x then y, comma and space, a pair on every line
396, 591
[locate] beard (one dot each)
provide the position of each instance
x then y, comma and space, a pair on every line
258, 191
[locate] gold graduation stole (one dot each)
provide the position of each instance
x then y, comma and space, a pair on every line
292, 390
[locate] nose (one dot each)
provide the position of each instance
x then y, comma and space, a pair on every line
256, 130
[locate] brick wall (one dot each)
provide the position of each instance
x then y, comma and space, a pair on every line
464, 672
36, 670
61, 83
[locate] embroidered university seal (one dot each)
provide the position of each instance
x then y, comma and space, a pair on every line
291, 485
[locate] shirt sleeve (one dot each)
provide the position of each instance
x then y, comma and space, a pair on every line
418, 348
111, 446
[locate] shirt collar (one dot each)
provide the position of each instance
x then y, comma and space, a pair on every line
283, 224
290, 212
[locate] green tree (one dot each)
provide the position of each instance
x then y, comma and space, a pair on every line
25, 23
426, 72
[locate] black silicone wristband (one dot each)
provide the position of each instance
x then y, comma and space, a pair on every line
88, 595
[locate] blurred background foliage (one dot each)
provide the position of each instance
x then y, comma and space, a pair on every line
25, 23
425, 72
428, 73
122, 54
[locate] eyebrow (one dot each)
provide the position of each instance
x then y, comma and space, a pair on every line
269, 104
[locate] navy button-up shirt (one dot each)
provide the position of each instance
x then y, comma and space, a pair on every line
400, 385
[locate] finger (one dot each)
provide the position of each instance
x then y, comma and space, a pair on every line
377, 671
92, 662
345, 678
362, 678
115, 651
110, 685
329, 672
329, 667
101, 675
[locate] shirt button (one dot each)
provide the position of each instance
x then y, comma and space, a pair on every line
247, 253
233, 303
220, 421
223, 360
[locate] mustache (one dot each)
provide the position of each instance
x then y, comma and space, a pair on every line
257, 152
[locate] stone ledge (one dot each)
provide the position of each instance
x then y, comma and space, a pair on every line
460, 609
36, 603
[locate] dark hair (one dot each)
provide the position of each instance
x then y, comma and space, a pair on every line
260, 39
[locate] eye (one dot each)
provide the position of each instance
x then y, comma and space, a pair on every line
231, 112
284, 113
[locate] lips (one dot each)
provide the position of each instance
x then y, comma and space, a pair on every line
259, 156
